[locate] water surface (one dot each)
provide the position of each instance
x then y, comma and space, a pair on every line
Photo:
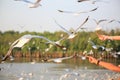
67, 70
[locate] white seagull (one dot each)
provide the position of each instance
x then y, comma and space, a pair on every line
77, 13
59, 60
25, 39
57, 43
98, 24
94, 46
99, 47
32, 4
72, 34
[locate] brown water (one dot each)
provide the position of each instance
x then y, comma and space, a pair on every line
72, 69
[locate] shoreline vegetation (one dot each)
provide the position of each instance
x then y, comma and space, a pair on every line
38, 54
36, 47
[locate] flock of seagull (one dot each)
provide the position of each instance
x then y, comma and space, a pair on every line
19, 43
70, 34
37, 4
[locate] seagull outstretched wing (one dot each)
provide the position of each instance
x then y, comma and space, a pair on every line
18, 43
58, 60
82, 24
82, 0
77, 11
37, 1
68, 32
99, 21
27, 1
36, 4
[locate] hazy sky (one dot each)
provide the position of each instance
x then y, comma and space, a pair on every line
16, 15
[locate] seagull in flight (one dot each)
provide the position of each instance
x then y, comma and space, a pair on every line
59, 60
71, 35
94, 46
22, 41
99, 47
32, 4
78, 13
103, 20
57, 43
98, 24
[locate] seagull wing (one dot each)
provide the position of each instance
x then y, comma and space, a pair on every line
111, 21
14, 43
95, 21
60, 59
82, 0
102, 20
82, 24
87, 11
42, 37
93, 2
63, 28
21, 41
35, 4
66, 57
18, 43
27, 1
65, 11
57, 42
77, 12
8, 54
93, 9
37, 1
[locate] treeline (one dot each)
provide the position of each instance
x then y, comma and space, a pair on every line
78, 44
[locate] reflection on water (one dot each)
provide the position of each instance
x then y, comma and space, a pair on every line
73, 69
